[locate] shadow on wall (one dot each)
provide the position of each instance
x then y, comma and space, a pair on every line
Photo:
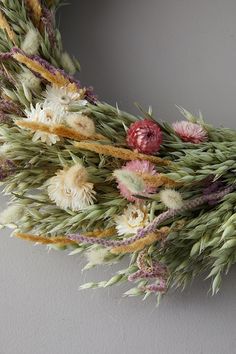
158, 53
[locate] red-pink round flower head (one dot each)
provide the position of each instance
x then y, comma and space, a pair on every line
145, 136
142, 166
190, 132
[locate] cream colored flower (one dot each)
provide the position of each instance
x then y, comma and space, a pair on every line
70, 189
171, 198
96, 256
81, 123
76, 176
29, 80
48, 115
10, 216
132, 219
31, 42
62, 97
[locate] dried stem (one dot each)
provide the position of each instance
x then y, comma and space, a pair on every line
59, 130
119, 153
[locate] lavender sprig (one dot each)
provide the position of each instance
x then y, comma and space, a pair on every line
158, 270
89, 94
189, 205
160, 287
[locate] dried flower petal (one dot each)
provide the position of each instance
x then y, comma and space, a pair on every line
190, 132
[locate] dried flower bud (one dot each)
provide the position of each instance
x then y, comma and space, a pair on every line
30, 44
171, 198
11, 215
67, 63
81, 123
29, 80
145, 136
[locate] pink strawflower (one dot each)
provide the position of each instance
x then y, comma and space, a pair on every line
145, 136
190, 132
141, 166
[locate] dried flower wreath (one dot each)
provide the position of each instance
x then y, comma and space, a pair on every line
85, 176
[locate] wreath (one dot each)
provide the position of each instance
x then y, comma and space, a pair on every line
85, 176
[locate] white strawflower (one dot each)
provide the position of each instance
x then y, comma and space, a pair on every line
49, 139
29, 80
70, 189
96, 256
10, 216
61, 96
67, 63
31, 42
33, 113
171, 198
132, 219
81, 123
45, 114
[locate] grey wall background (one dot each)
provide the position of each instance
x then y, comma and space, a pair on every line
158, 52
